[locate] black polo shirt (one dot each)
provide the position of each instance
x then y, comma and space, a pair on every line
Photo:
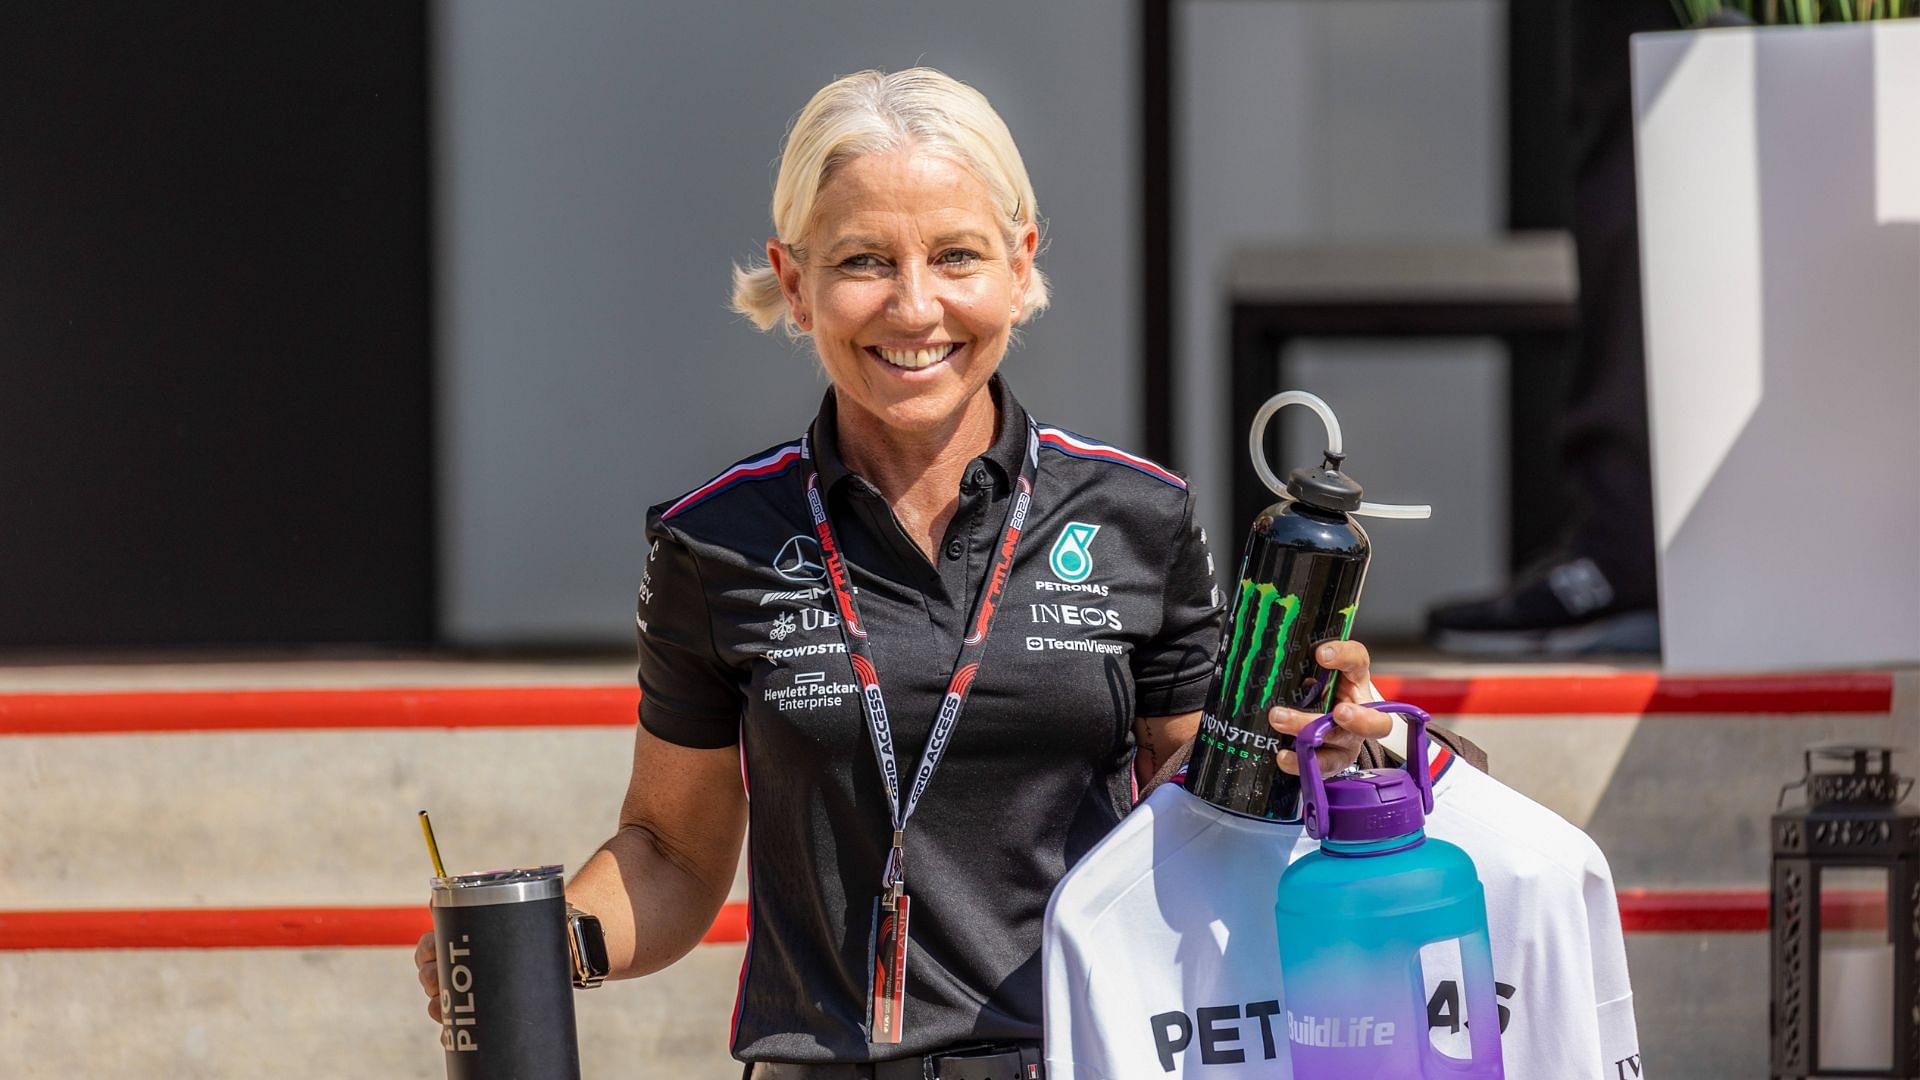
1110, 612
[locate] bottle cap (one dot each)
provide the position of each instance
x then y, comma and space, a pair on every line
1362, 805
1325, 487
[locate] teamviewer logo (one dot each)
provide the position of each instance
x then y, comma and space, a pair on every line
1035, 644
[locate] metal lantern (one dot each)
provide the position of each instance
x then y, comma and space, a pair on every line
1845, 920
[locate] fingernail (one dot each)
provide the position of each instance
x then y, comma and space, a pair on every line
1326, 653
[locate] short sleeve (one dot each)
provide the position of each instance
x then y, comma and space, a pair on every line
1170, 672
688, 695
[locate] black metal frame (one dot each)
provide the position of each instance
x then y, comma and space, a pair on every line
1261, 330
1538, 196
1854, 828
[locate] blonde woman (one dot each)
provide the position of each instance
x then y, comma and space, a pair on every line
939, 642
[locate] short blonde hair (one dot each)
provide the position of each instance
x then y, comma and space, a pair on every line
876, 112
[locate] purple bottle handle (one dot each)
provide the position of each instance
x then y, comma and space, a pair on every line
1314, 786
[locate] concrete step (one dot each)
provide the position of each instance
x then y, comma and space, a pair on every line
125, 790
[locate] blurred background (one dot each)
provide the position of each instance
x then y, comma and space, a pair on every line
342, 350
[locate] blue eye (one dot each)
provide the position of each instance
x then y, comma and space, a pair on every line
854, 262
959, 255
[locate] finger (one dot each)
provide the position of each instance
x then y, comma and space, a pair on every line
429, 976
1347, 657
433, 1009
1361, 721
1288, 721
1289, 762
423, 952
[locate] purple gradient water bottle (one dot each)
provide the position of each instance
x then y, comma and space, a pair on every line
1359, 918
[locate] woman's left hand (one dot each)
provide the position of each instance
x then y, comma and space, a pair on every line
1353, 722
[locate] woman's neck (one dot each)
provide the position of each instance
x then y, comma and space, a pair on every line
918, 472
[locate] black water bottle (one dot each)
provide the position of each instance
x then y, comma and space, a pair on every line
1299, 587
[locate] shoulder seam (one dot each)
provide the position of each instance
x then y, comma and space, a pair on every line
759, 467
1079, 446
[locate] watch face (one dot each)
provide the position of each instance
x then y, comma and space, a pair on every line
589, 947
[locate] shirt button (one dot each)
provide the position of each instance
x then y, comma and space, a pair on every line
955, 549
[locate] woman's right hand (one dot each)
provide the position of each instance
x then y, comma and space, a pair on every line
425, 958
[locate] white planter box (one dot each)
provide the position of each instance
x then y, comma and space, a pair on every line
1779, 187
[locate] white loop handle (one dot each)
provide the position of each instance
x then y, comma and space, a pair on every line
1257, 435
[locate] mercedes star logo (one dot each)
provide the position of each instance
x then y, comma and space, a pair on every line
800, 560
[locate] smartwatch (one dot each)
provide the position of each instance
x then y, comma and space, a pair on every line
587, 948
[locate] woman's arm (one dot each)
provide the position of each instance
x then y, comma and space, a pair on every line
658, 883
1156, 739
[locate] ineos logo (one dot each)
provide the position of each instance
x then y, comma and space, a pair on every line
799, 560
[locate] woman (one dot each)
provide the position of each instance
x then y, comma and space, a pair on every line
927, 560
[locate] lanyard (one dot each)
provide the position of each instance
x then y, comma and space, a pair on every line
966, 666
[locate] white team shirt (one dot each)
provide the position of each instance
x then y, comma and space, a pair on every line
1161, 959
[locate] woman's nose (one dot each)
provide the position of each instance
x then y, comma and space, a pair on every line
915, 299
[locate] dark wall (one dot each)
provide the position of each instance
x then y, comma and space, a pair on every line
214, 351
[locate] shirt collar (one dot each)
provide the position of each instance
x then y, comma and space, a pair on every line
1002, 458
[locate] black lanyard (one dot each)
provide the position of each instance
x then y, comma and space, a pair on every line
966, 666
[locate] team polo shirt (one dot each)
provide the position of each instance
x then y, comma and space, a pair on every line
1109, 612
1162, 958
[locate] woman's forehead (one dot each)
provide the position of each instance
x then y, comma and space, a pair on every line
882, 193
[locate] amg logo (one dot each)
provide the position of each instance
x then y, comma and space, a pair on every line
1069, 615
802, 596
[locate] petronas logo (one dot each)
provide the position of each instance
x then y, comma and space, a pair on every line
1252, 616
1070, 559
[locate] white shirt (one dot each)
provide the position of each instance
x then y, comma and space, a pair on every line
1161, 959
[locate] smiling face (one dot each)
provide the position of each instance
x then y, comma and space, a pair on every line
908, 287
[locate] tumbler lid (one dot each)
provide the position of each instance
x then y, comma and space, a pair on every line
499, 886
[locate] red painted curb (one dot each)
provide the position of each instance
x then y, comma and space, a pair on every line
251, 928
1710, 911
283, 710
1642, 911
1645, 694
1624, 694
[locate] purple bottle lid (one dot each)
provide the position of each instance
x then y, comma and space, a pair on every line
1363, 805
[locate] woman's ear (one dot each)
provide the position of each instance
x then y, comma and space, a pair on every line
786, 267
1026, 246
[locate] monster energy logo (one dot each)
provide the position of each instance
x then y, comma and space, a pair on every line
1252, 616
1346, 631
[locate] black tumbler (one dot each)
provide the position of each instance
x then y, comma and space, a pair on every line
506, 982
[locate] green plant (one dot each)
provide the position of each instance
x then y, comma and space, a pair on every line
1797, 12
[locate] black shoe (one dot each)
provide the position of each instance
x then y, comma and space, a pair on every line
1562, 607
